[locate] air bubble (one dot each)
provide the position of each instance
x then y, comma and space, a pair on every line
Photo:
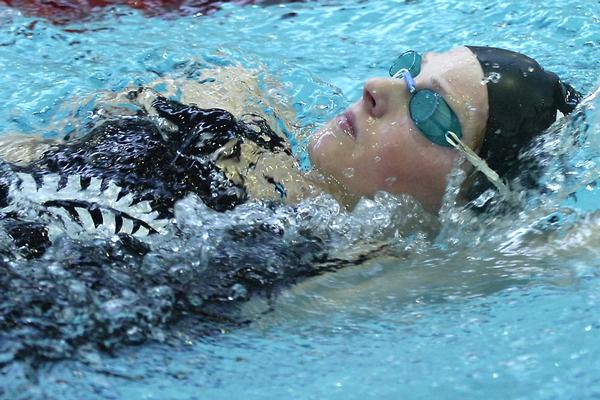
377, 159
390, 181
349, 172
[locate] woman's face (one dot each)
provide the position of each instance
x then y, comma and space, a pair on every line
374, 145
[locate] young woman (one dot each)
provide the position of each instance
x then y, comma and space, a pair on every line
402, 136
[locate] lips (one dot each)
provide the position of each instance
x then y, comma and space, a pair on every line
347, 123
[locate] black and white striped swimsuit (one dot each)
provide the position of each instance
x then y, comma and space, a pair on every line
126, 174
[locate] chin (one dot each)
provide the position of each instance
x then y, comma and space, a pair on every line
320, 147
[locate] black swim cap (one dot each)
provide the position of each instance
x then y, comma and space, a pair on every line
523, 99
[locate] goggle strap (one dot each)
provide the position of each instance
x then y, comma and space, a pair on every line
478, 163
410, 81
399, 74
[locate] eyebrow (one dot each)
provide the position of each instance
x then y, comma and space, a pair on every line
439, 85
444, 88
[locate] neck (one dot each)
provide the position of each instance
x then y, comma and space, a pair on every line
333, 187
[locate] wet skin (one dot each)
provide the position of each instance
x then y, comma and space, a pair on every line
374, 145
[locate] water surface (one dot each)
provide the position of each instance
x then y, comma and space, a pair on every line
499, 305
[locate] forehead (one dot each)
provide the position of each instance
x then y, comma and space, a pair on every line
458, 77
454, 66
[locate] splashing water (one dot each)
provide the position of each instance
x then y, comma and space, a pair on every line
496, 304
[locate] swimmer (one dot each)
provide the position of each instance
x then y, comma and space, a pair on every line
129, 171
403, 136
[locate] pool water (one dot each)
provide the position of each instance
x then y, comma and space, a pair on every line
497, 306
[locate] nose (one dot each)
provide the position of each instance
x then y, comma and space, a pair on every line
379, 95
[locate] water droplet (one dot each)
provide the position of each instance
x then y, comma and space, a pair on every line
349, 172
238, 291
493, 77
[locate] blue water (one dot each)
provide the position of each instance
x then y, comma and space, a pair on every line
495, 308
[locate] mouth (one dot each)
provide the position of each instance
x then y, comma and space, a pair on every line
347, 123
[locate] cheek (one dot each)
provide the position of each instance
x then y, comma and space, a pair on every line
401, 161
392, 156
408, 161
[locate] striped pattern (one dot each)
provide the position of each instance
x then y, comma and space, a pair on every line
82, 203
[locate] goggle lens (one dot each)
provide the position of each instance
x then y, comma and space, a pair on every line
433, 116
409, 60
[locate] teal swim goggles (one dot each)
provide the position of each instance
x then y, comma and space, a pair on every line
435, 119
428, 109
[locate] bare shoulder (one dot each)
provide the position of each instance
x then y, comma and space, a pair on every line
23, 149
239, 90
234, 88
